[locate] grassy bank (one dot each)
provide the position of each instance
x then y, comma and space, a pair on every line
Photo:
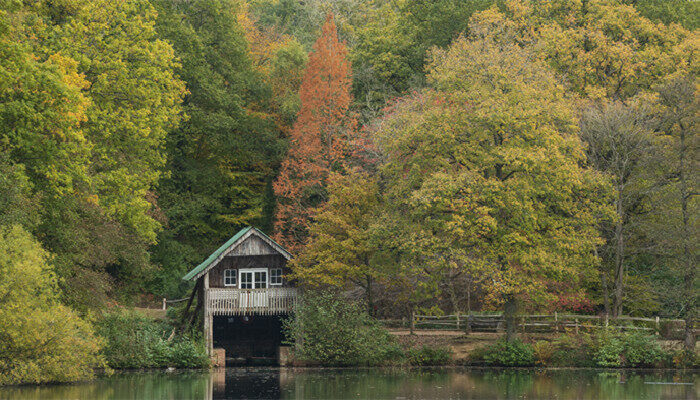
327, 330
602, 350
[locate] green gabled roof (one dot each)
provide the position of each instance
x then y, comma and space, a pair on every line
215, 255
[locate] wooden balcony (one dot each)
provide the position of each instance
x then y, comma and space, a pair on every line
270, 301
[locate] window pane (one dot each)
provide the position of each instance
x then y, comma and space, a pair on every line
246, 280
276, 276
261, 279
229, 277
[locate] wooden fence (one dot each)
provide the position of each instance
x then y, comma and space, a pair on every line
539, 323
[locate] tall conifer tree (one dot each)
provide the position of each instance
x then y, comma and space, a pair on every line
320, 138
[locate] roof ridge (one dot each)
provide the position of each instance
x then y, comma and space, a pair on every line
217, 253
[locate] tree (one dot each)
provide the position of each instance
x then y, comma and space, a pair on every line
41, 340
342, 250
135, 98
606, 52
603, 48
320, 141
684, 12
18, 204
280, 59
89, 131
222, 159
486, 166
675, 225
392, 41
619, 140
41, 111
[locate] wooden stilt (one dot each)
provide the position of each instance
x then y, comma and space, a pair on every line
207, 320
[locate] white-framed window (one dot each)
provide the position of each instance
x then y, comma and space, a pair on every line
230, 277
275, 276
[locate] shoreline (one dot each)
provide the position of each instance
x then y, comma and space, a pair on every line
396, 367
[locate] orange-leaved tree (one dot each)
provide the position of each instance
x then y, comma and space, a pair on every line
320, 141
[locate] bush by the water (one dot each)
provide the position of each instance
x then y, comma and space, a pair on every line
41, 340
427, 355
508, 354
134, 340
604, 349
329, 330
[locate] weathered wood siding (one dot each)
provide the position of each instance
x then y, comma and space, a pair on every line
252, 246
216, 274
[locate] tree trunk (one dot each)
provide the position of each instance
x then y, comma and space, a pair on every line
619, 255
509, 311
370, 305
469, 296
688, 256
606, 296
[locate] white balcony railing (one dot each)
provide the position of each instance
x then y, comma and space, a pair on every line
268, 301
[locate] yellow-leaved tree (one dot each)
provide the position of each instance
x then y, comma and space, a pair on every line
486, 171
343, 250
41, 340
602, 48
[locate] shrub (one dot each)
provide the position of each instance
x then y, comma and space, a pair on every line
509, 354
608, 350
640, 350
136, 341
41, 340
330, 330
427, 355
683, 359
573, 350
543, 352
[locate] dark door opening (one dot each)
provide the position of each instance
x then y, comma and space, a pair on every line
248, 339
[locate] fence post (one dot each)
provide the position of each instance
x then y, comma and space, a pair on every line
468, 328
163, 303
522, 323
457, 320
576, 326
658, 326
556, 322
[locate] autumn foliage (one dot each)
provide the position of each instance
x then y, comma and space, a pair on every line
320, 139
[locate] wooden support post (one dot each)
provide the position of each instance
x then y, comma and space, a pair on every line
576, 325
522, 323
189, 304
457, 320
468, 328
207, 331
556, 322
163, 303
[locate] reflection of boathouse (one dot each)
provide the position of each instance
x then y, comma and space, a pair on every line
243, 293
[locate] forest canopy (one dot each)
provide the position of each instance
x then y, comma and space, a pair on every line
436, 155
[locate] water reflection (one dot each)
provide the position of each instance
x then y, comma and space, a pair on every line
273, 383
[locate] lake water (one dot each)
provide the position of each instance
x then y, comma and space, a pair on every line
438, 383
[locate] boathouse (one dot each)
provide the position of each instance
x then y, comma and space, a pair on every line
242, 295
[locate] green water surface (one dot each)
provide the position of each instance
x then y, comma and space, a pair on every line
438, 383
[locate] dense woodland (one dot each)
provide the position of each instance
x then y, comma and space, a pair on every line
418, 155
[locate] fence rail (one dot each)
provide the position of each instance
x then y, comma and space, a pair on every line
539, 323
